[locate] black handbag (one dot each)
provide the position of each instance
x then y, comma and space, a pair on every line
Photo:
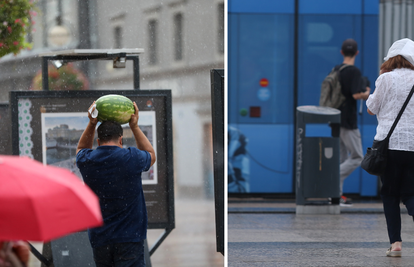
375, 160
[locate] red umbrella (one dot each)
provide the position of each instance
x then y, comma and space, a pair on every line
40, 203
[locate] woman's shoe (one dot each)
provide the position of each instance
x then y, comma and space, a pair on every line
391, 253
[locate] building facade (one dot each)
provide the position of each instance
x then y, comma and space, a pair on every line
182, 39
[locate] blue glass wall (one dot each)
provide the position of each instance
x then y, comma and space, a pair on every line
261, 46
263, 93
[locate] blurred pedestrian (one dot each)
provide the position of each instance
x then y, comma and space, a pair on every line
238, 162
353, 88
14, 253
114, 174
391, 90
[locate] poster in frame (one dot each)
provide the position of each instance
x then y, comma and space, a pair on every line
46, 121
61, 133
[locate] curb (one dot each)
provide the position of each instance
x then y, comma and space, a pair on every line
345, 210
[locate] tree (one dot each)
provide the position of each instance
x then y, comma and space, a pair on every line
15, 23
65, 78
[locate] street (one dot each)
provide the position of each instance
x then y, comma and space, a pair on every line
192, 243
271, 234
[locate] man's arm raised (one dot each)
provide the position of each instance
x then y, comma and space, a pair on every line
142, 141
86, 140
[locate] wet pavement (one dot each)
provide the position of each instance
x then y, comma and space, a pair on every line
192, 243
269, 233
266, 233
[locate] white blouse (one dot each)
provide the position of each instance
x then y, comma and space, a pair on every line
391, 90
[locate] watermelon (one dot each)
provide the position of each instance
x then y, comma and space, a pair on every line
114, 108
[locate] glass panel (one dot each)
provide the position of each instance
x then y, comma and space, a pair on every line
264, 68
220, 28
260, 103
320, 40
178, 36
152, 42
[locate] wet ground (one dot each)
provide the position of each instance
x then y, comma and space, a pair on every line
271, 234
192, 243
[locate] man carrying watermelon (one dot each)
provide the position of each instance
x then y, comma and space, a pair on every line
114, 174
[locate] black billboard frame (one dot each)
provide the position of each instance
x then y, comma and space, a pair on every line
169, 225
217, 112
118, 56
5, 111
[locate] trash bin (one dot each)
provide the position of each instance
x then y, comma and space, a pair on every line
317, 159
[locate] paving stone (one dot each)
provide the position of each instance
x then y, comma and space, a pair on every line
356, 238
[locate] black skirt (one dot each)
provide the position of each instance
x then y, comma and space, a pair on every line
398, 179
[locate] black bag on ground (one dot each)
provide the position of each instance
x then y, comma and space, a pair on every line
375, 160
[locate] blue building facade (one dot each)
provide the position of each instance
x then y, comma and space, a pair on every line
279, 51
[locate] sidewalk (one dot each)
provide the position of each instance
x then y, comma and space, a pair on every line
191, 244
271, 234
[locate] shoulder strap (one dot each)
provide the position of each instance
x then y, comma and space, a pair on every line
401, 112
343, 67
339, 71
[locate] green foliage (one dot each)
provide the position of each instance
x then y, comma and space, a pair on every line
15, 22
65, 78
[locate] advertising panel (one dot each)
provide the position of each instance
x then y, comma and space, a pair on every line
47, 125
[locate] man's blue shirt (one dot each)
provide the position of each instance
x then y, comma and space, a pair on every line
114, 174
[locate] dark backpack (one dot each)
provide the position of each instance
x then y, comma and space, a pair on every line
331, 94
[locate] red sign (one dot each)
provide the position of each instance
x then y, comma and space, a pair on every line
264, 82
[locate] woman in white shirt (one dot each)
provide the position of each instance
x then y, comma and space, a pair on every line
391, 90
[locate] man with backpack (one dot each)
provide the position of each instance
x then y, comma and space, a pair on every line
352, 87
